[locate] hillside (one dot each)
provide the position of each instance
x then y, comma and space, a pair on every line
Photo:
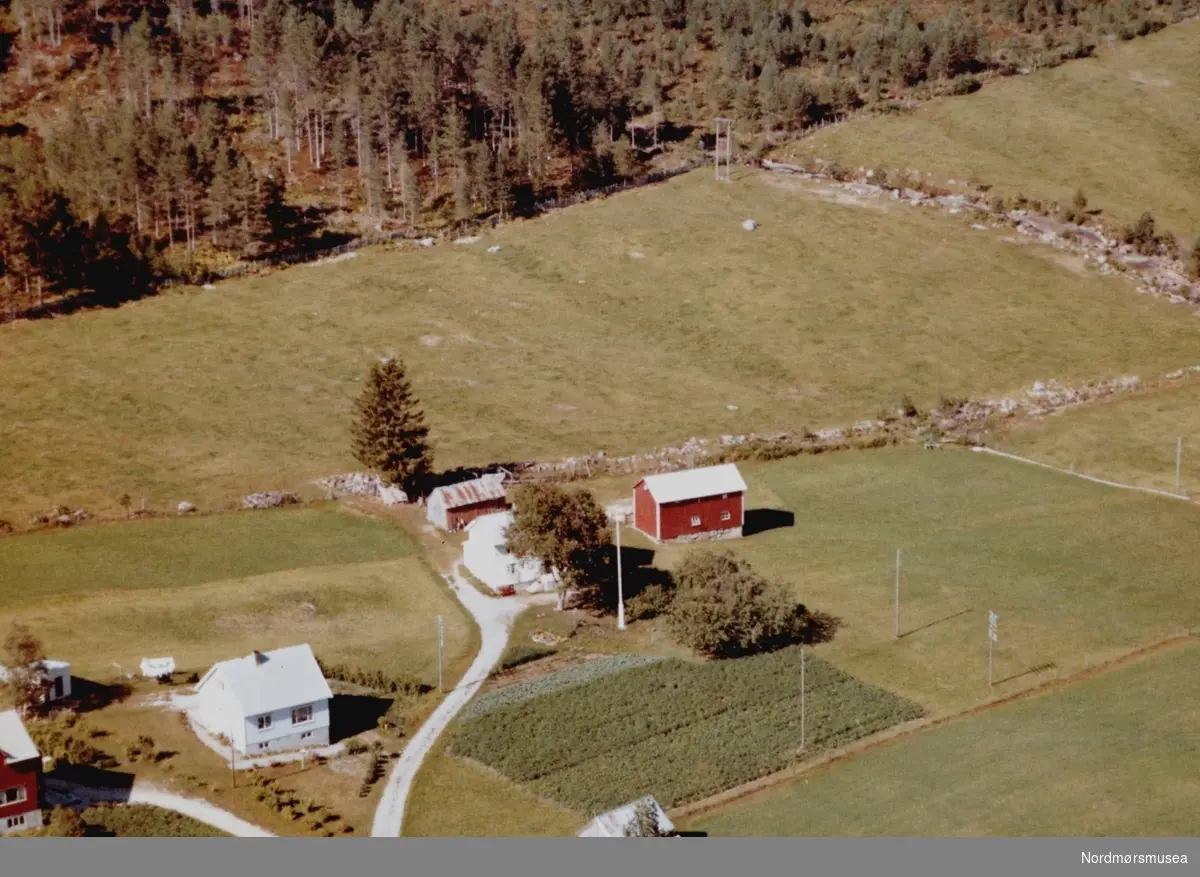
1122, 127
587, 330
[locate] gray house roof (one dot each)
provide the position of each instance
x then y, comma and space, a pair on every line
263, 682
616, 823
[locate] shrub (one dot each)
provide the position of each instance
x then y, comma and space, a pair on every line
907, 408
650, 602
722, 608
965, 85
144, 820
356, 747
1194, 260
64, 822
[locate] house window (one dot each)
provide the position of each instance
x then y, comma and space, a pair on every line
14, 821
13, 796
725, 516
262, 746
512, 569
695, 520
302, 714
264, 723
306, 735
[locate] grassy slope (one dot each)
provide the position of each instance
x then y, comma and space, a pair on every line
204, 589
1122, 126
823, 315
1113, 757
1076, 571
1131, 440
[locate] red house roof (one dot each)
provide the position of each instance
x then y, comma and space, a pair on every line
465, 493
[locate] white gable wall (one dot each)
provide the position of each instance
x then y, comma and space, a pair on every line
282, 734
435, 510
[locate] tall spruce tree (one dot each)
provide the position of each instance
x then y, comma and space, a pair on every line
389, 432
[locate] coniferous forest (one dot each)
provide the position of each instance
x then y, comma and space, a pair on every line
141, 141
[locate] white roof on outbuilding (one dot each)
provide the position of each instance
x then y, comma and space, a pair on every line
695, 483
263, 682
15, 742
616, 823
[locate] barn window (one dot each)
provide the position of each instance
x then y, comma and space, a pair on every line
302, 714
695, 520
725, 516
13, 796
264, 723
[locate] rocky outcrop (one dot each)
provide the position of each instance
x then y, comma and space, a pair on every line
270, 500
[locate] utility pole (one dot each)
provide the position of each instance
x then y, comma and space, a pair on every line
802, 687
897, 593
441, 644
1178, 462
993, 618
620, 583
232, 765
723, 148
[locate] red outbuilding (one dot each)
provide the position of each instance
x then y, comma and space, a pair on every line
706, 503
20, 776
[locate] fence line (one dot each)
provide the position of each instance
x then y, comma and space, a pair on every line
1093, 478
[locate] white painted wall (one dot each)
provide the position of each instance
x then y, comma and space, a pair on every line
282, 727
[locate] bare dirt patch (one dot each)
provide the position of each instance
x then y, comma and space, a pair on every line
539, 668
431, 340
1143, 79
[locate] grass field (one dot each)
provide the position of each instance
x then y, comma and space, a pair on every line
1076, 571
826, 314
1113, 757
1131, 439
453, 797
1121, 126
206, 589
674, 729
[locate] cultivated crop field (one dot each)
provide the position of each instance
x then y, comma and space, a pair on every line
564, 341
1122, 127
673, 729
1112, 757
207, 589
1078, 572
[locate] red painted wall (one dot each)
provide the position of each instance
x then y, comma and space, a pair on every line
644, 516
677, 516
23, 773
460, 517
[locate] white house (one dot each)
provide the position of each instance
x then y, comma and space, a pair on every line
619, 822
486, 559
57, 677
266, 701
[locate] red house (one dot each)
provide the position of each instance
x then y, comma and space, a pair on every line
706, 503
20, 777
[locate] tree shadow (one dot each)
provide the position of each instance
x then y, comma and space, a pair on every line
352, 714
762, 520
930, 624
117, 785
87, 695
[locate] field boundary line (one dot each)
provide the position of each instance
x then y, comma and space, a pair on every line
907, 729
1093, 478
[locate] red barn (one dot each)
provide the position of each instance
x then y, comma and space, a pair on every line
20, 777
707, 503
456, 505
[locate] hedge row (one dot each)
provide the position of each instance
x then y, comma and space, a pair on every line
376, 680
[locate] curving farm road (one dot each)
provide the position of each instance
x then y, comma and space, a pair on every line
494, 615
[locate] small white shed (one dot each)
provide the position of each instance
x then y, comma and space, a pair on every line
153, 668
57, 677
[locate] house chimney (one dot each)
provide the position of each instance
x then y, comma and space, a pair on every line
259, 657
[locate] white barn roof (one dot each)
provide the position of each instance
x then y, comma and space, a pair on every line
267, 681
15, 742
695, 483
616, 823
